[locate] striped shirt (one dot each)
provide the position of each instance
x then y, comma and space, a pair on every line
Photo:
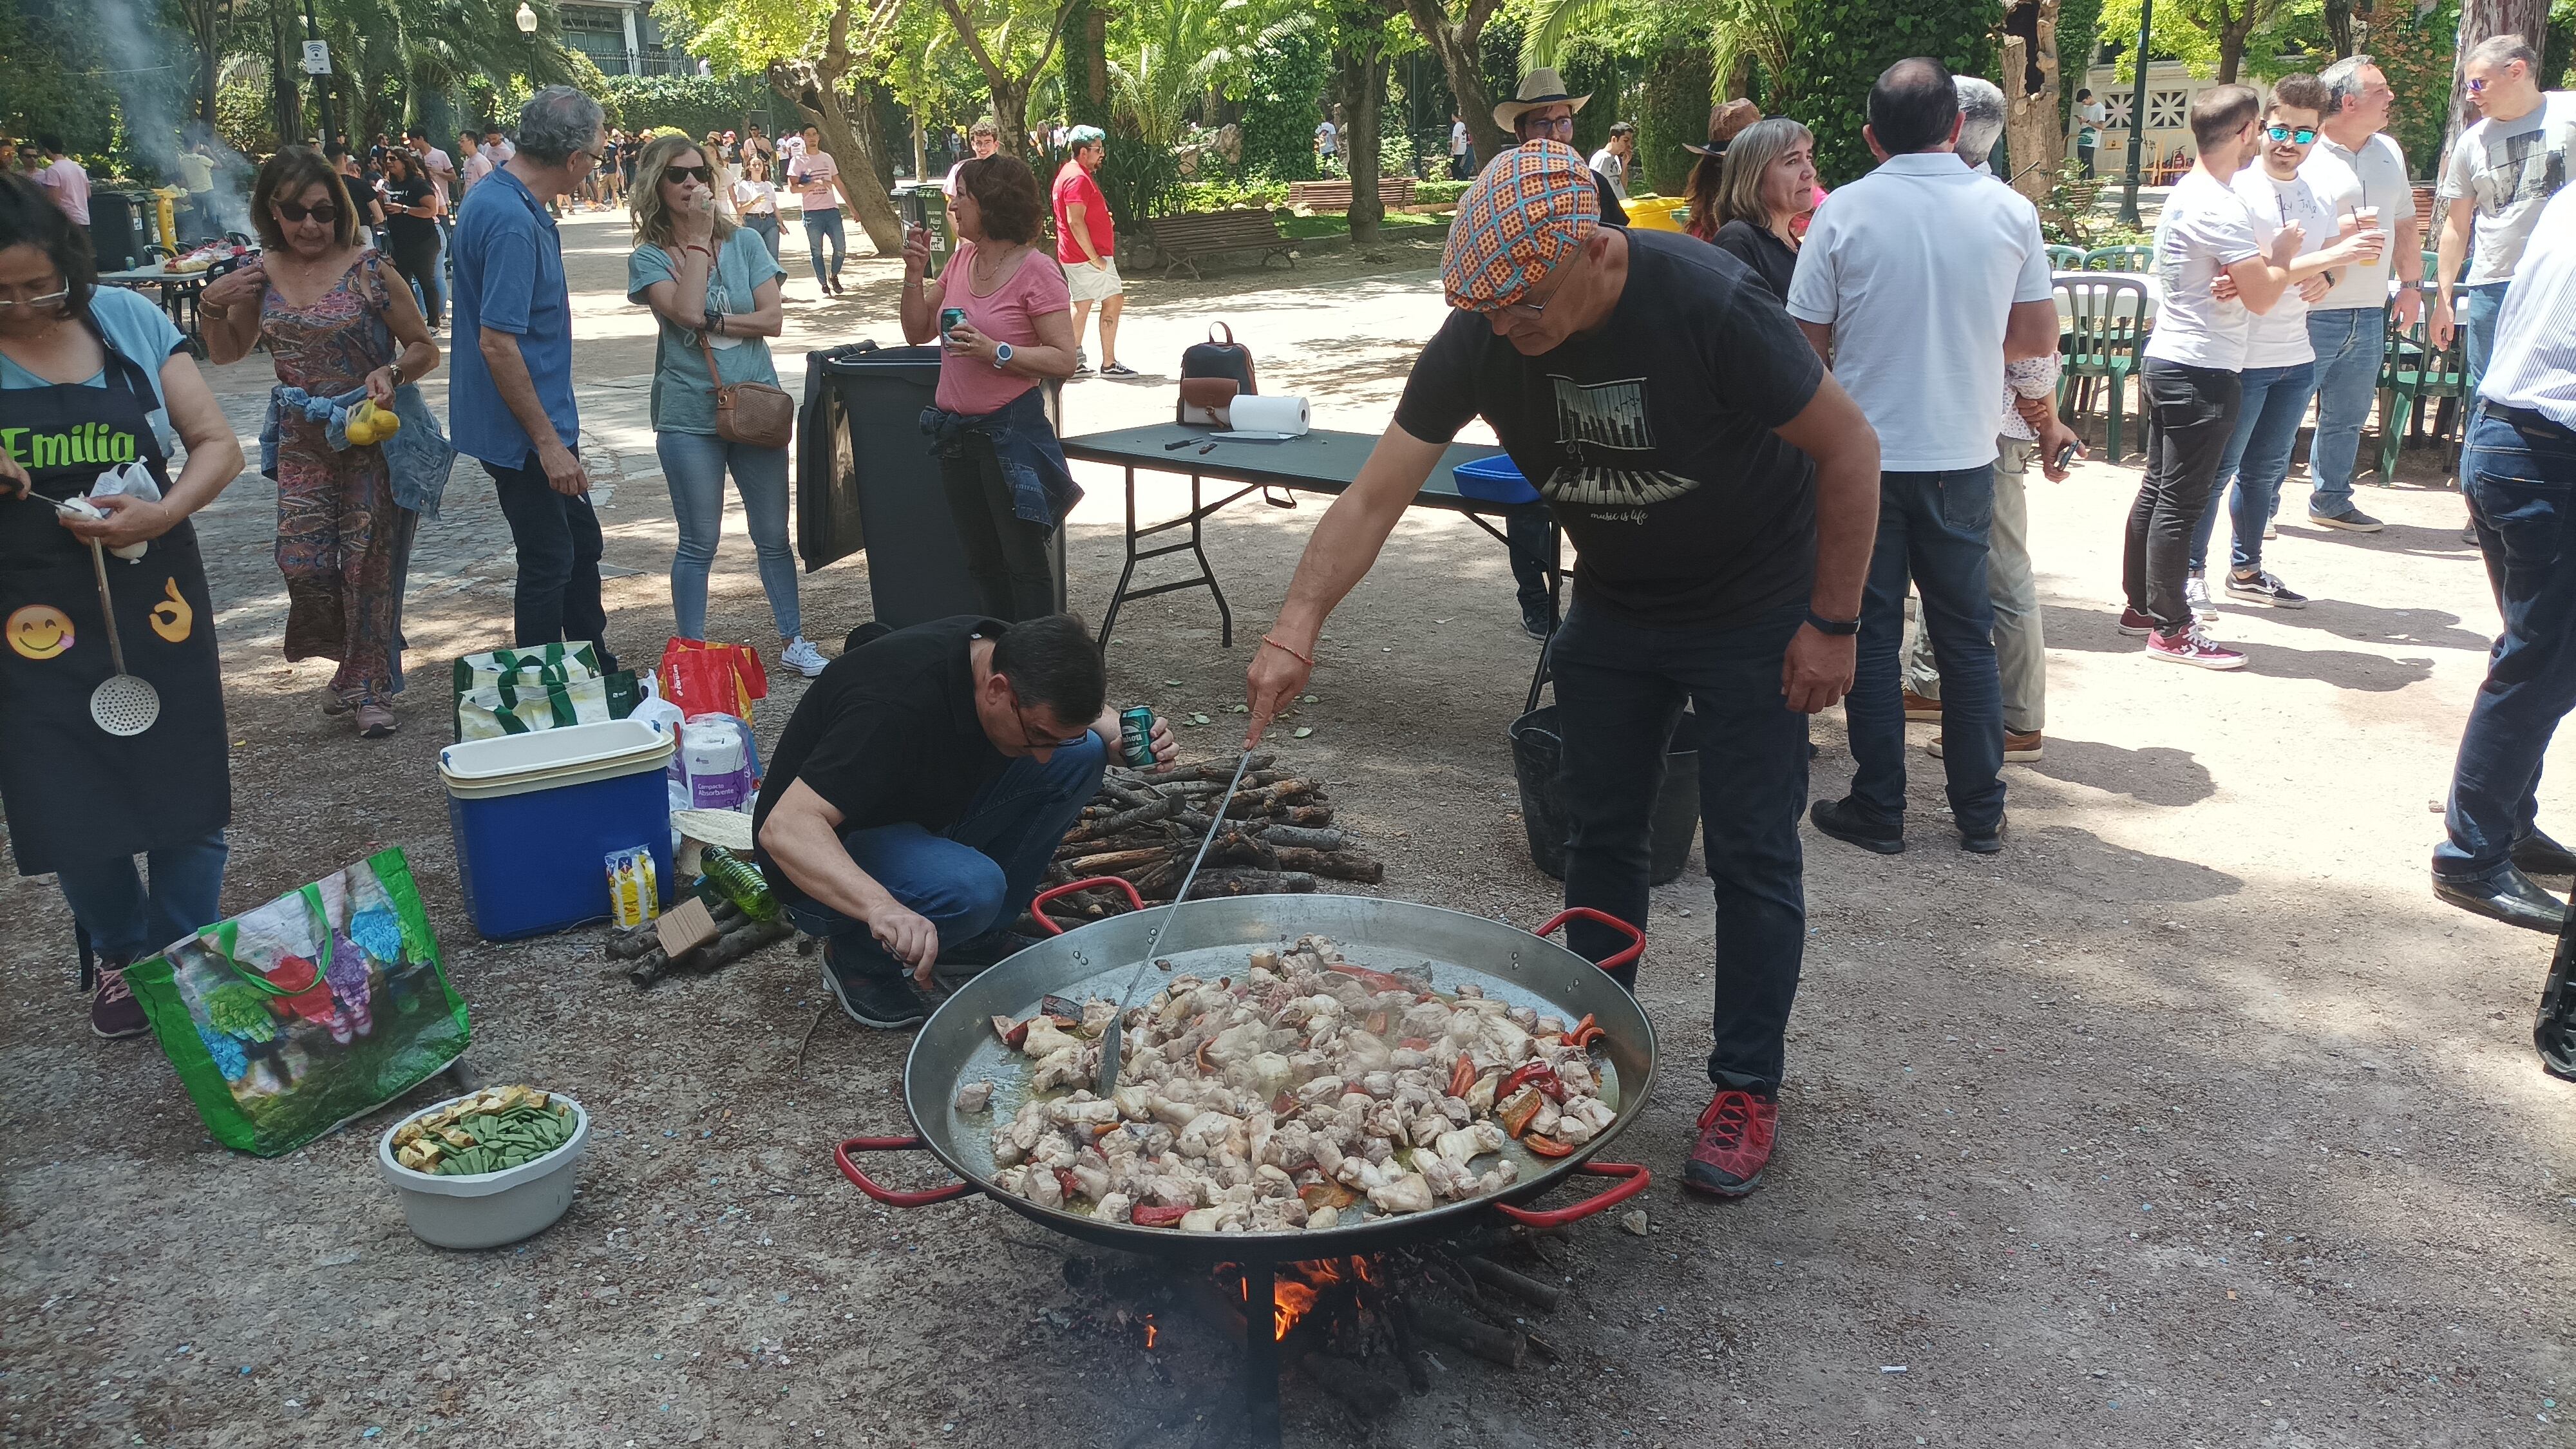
2533, 364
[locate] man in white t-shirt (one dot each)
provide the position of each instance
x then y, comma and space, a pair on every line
2280, 363
1462, 151
1327, 141
1919, 337
2502, 171
2189, 374
984, 138
476, 165
2357, 169
1611, 161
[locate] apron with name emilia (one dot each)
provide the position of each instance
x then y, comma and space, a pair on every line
74, 792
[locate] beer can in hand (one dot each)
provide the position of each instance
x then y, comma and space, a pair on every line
950, 319
1136, 736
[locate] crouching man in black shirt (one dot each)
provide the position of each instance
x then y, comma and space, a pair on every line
1722, 493
919, 789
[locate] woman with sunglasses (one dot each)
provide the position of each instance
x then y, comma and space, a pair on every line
322, 303
713, 287
412, 210
88, 375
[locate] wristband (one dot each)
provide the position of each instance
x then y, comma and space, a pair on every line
1306, 659
1840, 628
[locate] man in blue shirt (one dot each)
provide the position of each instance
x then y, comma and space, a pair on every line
510, 401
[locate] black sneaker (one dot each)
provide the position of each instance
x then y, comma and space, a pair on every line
1990, 843
1534, 623
2265, 587
1842, 820
887, 1003
2351, 520
2537, 854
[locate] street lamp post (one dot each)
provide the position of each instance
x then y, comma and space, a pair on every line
2137, 119
527, 18
321, 83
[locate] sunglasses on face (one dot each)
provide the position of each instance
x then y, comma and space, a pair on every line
294, 215
704, 174
2299, 135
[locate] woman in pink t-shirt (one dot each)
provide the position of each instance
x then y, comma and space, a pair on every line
1002, 465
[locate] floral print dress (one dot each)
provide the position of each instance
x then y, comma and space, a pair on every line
343, 544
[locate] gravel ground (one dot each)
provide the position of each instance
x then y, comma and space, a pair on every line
2190, 1119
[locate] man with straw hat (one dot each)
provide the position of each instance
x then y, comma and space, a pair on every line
1722, 492
1541, 108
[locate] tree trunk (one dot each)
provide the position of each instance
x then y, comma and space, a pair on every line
2035, 141
817, 99
1456, 44
288, 102
2480, 20
2231, 52
2339, 27
1363, 96
1010, 92
920, 148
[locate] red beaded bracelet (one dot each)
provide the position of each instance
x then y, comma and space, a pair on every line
1306, 659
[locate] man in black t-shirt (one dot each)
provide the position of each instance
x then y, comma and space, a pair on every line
919, 789
1723, 494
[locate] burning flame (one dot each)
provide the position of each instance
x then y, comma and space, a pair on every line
1288, 1303
1291, 1300
1151, 1333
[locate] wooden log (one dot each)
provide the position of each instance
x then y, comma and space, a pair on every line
1308, 815
1245, 883
726, 949
1542, 1296
1304, 839
1361, 1392
1334, 865
1217, 770
1125, 820
1494, 1345
1115, 861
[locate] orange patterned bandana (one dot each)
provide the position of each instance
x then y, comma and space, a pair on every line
1530, 210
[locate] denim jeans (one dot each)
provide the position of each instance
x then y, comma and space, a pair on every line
558, 542
1932, 530
126, 920
2191, 413
2012, 589
2479, 307
1620, 690
819, 225
2522, 498
977, 876
1525, 529
694, 465
2257, 458
764, 225
2349, 342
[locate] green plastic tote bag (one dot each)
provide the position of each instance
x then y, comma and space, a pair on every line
316, 1008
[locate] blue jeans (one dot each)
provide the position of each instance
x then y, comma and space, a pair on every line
2478, 308
764, 225
693, 465
819, 225
1620, 690
2349, 343
2258, 458
1525, 530
558, 541
2522, 498
981, 873
126, 920
1932, 531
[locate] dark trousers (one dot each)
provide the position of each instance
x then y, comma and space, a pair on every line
558, 542
127, 920
1620, 690
2522, 497
2191, 413
1526, 530
419, 266
978, 875
1932, 532
1006, 555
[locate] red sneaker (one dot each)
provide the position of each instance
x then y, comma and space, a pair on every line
1735, 1136
2192, 645
2137, 625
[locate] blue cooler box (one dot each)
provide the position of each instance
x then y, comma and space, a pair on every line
1494, 480
535, 817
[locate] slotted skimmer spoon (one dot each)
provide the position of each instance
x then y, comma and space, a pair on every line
123, 704
1111, 1043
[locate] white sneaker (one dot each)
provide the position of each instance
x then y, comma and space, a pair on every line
803, 657
2271, 530
2195, 592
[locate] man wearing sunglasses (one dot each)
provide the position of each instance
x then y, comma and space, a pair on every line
2502, 171
920, 787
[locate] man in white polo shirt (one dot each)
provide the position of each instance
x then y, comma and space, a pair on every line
2357, 170
1919, 336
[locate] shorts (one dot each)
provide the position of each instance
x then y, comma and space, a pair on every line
1093, 284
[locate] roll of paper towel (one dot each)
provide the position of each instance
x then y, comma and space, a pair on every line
1260, 414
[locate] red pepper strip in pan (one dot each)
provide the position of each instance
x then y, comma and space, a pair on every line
1585, 1032
1146, 1215
1011, 1032
1462, 1077
1204, 1064
1376, 980
1546, 1146
1516, 1117
1532, 1074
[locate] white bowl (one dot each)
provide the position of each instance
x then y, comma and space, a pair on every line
485, 1209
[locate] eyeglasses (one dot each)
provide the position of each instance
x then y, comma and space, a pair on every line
42, 301
2301, 135
1555, 126
1036, 741
294, 215
705, 174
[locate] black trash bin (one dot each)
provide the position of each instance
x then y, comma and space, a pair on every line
123, 227
1538, 751
925, 204
867, 479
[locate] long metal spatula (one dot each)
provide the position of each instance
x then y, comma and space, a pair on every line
123, 704
1111, 1046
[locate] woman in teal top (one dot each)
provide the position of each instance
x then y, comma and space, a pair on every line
713, 286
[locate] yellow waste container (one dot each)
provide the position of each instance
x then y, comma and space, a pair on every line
165, 215
1658, 213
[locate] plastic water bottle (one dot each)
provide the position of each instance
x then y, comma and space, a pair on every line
741, 882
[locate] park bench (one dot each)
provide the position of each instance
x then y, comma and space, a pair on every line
1393, 192
1181, 240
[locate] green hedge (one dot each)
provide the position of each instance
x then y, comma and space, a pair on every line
1678, 82
1279, 114
694, 104
1844, 44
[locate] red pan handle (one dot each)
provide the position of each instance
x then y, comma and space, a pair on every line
1038, 907
1635, 1178
887, 1195
1637, 938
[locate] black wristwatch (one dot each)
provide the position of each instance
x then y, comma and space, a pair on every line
1839, 627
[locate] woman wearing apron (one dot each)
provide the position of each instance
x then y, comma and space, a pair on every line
86, 378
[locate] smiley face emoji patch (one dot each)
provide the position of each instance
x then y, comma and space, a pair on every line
39, 631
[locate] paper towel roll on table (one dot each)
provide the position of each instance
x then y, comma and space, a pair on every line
1260, 413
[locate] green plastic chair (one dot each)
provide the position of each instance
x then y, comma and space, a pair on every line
2105, 321
2066, 259
2414, 378
2120, 259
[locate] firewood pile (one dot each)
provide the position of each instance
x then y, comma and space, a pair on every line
1145, 826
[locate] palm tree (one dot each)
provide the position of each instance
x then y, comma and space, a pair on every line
1186, 50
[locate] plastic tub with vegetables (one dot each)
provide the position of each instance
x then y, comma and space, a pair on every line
487, 1168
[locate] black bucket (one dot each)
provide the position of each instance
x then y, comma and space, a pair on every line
1537, 756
